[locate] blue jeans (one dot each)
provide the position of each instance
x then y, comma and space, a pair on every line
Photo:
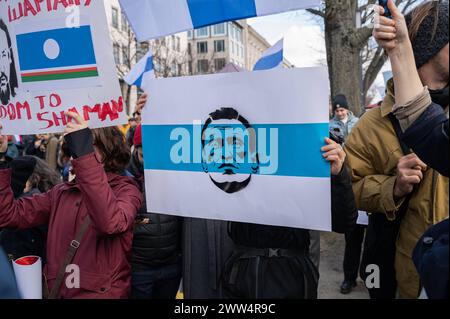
156, 283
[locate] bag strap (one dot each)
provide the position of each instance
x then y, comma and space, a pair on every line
406, 150
398, 131
73, 247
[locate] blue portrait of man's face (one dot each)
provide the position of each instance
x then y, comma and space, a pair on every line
229, 150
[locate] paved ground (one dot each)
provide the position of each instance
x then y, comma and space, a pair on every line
331, 274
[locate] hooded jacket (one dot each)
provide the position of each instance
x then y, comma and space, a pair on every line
110, 200
373, 151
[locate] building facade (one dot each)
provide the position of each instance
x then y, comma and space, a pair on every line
201, 51
211, 48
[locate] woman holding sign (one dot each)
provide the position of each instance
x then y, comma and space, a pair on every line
90, 220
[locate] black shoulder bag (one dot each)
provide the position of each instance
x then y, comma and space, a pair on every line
381, 238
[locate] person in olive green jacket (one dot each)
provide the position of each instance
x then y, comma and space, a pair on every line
382, 176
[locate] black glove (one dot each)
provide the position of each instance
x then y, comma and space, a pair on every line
80, 143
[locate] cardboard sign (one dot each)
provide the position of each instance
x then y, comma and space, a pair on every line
240, 147
56, 55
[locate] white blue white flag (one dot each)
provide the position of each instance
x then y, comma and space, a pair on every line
141, 71
241, 146
157, 18
271, 58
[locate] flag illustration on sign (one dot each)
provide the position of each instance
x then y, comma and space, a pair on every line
59, 54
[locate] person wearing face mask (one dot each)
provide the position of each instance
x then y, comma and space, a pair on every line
421, 112
402, 193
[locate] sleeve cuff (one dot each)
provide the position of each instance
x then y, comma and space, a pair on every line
80, 143
407, 114
387, 198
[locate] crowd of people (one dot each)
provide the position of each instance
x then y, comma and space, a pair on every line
79, 198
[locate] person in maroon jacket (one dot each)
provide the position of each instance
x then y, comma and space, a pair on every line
100, 193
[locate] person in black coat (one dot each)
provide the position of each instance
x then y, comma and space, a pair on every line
156, 252
273, 262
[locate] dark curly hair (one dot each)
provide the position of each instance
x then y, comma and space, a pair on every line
43, 177
111, 144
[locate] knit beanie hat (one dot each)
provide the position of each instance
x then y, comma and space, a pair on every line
340, 101
425, 46
22, 169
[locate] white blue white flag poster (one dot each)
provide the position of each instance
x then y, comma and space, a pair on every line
240, 147
141, 72
56, 58
152, 19
272, 58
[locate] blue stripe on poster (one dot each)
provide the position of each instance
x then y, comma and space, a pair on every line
283, 150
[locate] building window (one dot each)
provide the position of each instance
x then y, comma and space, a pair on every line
219, 29
173, 42
125, 55
190, 70
124, 23
239, 35
201, 33
115, 18
190, 34
203, 66
219, 46
116, 49
219, 64
202, 47
174, 68
141, 50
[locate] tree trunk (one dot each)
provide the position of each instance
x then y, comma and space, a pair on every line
127, 99
344, 62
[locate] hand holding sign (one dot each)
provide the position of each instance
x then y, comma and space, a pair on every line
334, 154
79, 124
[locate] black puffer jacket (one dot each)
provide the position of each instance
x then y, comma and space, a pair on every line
157, 241
252, 272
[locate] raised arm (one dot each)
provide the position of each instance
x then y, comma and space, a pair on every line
111, 211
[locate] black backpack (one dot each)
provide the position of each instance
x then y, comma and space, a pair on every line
381, 238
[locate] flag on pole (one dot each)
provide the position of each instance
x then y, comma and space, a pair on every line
157, 18
271, 58
141, 72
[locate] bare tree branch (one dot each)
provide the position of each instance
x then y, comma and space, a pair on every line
374, 68
317, 12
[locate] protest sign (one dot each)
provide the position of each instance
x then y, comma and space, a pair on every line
241, 146
56, 56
